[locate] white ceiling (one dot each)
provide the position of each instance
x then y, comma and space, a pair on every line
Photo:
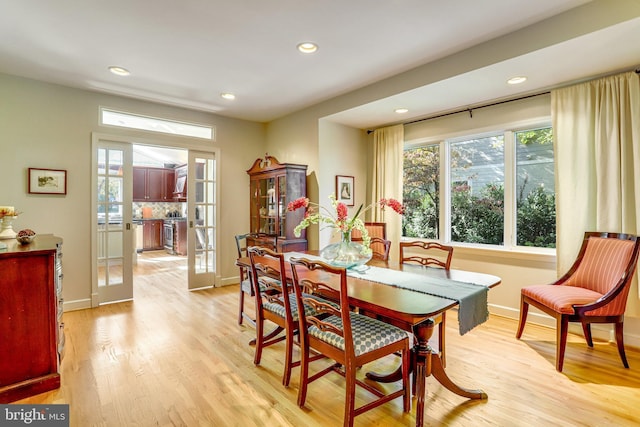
187, 52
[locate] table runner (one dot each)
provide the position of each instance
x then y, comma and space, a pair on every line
472, 298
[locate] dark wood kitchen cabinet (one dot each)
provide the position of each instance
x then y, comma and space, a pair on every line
180, 188
272, 186
31, 328
152, 234
153, 184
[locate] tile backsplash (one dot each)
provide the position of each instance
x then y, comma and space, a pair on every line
159, 209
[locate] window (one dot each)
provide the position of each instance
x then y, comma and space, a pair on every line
500, 191
421, 183
135, 121
535, 189
477, 211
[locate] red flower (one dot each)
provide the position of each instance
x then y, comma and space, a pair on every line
341, 210
393, 204
302, 202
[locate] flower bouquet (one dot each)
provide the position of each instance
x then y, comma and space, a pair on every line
344, 253
7, 215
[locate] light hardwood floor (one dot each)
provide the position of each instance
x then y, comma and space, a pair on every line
174, 357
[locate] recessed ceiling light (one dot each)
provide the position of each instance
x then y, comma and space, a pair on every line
307, 47
401, 110
119, 71
516, 80
228, 95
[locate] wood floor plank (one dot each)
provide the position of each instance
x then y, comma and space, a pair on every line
179, 358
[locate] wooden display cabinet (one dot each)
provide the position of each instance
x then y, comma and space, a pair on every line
272, 186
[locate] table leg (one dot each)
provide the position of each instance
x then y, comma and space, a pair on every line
428, 362
422, 356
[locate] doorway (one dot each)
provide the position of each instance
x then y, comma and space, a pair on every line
159, 214
134, 195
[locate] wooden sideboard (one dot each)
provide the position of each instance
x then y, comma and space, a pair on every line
30, 317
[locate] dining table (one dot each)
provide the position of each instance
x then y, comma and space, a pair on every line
403, 294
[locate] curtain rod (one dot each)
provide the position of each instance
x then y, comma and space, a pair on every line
470, 109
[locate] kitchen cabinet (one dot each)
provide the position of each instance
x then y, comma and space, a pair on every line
152, 234
180, 237
272, 185
180, 189
153, 184
30, 318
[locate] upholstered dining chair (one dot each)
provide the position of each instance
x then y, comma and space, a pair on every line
350, 339
430, 254
380, 248
275, 302
246, 288
594, 290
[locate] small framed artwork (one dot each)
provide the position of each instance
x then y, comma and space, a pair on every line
344, 189
47, 181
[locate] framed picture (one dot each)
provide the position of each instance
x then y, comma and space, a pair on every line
344, 189
47, 181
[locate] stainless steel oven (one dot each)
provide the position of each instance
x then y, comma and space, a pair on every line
169, 228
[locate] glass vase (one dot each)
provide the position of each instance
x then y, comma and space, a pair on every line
346, 253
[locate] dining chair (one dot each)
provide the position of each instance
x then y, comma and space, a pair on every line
275, 302
350, 339
245, 278
430, 254
594, 290
246, 288
374, 229
380, 248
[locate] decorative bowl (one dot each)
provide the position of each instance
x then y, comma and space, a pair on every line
25, 237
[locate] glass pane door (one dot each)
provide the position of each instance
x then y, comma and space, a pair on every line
201, 212
112, 269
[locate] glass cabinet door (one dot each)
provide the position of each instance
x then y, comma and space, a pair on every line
282, 205
266, 200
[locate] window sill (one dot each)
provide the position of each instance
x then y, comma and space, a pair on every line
533, 254
520, 253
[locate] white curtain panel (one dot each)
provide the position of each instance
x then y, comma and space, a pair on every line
388, 147
596, 129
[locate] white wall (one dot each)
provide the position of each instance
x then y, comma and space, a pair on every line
50, 126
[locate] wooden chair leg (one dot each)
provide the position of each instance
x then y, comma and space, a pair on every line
304, 373
586, 329
406, 399
441, 335
259, 340
350, 398
561, 340
620, 342
524, 309
286, 377
240, 311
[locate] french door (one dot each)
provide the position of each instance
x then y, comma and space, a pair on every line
202, 216
112, 246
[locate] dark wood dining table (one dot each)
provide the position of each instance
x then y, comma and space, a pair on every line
412, 311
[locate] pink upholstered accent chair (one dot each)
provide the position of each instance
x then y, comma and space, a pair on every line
594, 290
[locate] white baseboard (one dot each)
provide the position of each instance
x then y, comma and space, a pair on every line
229, 281
603, 332
80, 304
